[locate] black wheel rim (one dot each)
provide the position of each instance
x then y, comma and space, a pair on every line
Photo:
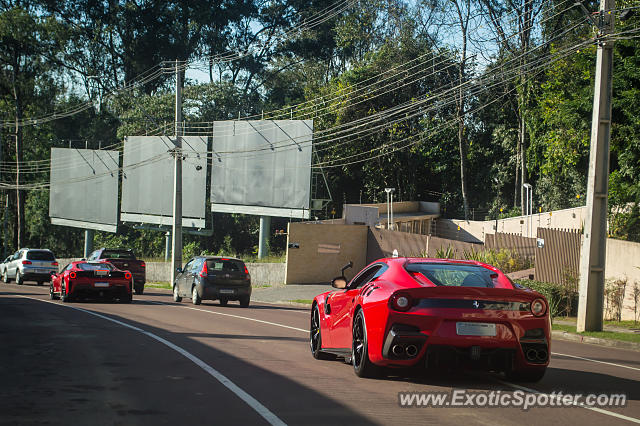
358, 342
315, 331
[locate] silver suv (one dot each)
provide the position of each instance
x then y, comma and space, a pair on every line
30, 265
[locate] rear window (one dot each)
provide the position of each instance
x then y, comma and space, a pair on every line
454, 275
117, 254
225, 265
40, 255
94, 266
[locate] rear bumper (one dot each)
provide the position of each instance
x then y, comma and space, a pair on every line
89, 291
215, 292
33, 276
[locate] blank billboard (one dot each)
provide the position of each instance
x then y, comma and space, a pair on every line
147, 181
84, 188
262, 167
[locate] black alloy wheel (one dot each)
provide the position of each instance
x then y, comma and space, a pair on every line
315, 335
176, 294
362, 366
19, 279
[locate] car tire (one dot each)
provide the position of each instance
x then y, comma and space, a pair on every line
127, 299
244, 301
63, 294
527, 375
40, 282
315, 335
139, 290
223, 301
362, 365
19, 279
195, 297
5, 277
176, 295
52, 294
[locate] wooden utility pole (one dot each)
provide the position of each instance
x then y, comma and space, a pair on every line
176, 228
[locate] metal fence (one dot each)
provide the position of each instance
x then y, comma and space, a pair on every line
524, 246
558, 256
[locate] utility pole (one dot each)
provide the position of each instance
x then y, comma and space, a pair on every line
176, 228
265, 233
593, 254
88, 242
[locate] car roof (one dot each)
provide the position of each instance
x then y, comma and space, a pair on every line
220, 258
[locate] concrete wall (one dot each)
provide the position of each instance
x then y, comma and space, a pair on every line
623, 262
355, 214
474, 231
261, 273
322, 250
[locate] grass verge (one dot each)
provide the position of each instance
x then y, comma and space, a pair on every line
626, 337
158, 285
303, 301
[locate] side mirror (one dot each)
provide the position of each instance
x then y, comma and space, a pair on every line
339, 282
179, 270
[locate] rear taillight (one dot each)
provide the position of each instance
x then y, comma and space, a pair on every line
204, 271
26, 262
401, 302
72, 275
127, 275
54, 263
538, 307
246, 271
143, 265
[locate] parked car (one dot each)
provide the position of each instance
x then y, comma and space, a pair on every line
125, 260
213, 278
84, 279
3, 266
30, 265
404, 312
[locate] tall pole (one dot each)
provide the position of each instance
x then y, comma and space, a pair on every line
176, 228
88, 242
593, 255
265, 231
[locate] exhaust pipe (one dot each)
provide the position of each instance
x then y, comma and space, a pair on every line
532, 355
542, 355
411, 350
397, 350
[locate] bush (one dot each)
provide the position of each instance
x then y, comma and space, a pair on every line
505, 260
557, 295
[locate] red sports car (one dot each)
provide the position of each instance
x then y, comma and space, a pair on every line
91, 279
404, 312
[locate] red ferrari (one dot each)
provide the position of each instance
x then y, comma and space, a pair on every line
435, 313
84, 279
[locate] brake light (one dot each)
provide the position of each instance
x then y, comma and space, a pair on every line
224, 259
54, 263
538, 307
204, 271
127, 275
246, 271
143, 265
72, 275
401, 302
26, 262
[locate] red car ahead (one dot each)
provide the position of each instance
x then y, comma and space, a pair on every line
404, 312
91, 279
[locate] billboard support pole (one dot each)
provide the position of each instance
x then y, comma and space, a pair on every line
176, 228
265, 230
167, 246
88, 242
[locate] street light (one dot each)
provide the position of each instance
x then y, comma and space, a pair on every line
528, 210
389, 192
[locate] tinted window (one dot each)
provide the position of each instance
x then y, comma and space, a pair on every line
118, 254
94, 266
40, 255
365, 277
452, 274
225, 265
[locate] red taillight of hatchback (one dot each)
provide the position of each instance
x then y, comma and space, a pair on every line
26, 262
54, 263
204, 271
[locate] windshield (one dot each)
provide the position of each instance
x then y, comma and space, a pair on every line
118, 254
40, 255
454, 274
95, 266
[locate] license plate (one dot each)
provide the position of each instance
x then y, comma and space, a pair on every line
225, 291
101, 284
475, 329
41, 271
101, 272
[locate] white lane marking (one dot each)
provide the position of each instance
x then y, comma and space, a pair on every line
595, 360
232, 316
581, 405
248, 399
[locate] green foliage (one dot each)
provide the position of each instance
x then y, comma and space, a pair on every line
506, 260
446, 253
561, 298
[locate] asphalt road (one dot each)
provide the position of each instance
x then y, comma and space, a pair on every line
159, 362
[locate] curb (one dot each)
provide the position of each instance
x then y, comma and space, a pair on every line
621, 344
